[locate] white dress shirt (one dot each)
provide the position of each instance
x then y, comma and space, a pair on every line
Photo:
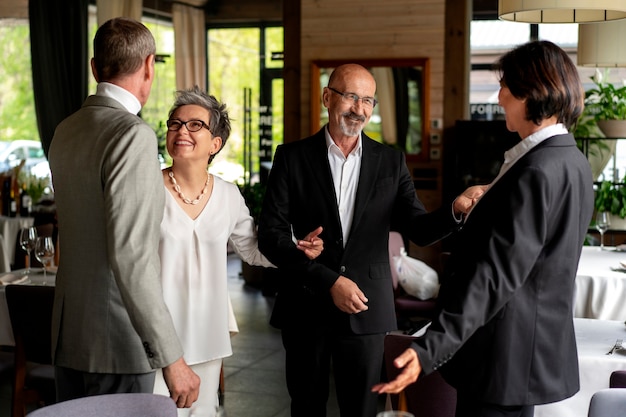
516, 152
345, 172
124, 97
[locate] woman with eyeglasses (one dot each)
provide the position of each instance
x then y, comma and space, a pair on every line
203, 214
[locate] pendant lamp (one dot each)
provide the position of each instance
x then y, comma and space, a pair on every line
602, 44
561, 11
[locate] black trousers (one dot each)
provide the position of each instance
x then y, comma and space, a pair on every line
356, 362
71, 384
468, 406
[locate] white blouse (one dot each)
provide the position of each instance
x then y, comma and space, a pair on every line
193, 268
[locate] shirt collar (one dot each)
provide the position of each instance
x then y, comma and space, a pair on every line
124, 97
330, 144
533, 140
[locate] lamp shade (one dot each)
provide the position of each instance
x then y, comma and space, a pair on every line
561, 11
602, 44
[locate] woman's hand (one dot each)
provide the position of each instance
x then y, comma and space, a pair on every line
312, 245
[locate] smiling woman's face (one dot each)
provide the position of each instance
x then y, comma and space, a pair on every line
191, 145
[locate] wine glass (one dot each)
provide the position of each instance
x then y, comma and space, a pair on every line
44, 252
28, 239
602, 224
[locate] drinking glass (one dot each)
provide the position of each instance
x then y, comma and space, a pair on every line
394, 414
44, 252
28, 239
602, 224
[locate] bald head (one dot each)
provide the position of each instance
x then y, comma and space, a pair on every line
347, 73
348, 85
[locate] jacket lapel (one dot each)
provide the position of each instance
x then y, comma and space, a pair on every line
370, 162
320, 167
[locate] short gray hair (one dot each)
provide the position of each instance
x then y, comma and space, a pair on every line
219, 123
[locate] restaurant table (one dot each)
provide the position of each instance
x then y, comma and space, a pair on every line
34, 278
601, 284
594, 338
9, 229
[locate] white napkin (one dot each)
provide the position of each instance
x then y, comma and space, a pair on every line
9, 279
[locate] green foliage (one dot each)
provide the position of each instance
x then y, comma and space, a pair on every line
17, 103
612, 198
605, 101
253, 194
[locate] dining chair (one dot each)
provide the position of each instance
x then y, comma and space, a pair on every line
429, 396
410, 310
6, 363
111, 405
608, 402
30, 312
618, 379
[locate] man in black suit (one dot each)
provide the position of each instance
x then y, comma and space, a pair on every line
339, 307
505, 336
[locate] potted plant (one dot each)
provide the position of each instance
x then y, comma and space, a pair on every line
253, 195
611, 197
607, 104
604, 116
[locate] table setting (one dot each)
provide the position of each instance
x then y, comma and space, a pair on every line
600, 352
32, 276
601, 283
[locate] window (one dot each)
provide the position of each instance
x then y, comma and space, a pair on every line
243, 75
17, 104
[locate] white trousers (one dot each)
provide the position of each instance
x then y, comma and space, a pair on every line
207, 403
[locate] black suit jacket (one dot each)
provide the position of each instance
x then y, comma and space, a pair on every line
505, 334
300, 197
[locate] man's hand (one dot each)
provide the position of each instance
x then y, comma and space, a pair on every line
466, 201
347, 296
183, 383
312, 245
411, 368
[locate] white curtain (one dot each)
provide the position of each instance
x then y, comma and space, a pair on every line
599, 155
387, 107
190, 46
108, 9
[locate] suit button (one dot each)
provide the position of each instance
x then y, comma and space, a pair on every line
342, 269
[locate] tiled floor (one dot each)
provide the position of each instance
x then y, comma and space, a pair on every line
254, 375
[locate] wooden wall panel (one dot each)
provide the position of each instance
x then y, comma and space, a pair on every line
333, 29
345, 29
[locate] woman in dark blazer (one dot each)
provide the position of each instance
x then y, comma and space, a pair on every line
505, 337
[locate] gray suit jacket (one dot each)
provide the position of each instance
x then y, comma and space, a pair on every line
505, 334
109, 314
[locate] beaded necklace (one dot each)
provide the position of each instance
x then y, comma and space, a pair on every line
180, 193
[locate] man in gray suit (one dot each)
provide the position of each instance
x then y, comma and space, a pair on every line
111, 328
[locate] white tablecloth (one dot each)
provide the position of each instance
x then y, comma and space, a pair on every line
600, 291
9, 229
35, 278
594, 338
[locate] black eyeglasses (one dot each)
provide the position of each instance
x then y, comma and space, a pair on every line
174, 125
353, 98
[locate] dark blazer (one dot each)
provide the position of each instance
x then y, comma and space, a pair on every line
505, 334
300, 196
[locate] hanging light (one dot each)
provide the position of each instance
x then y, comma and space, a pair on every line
602, 44
561, 11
